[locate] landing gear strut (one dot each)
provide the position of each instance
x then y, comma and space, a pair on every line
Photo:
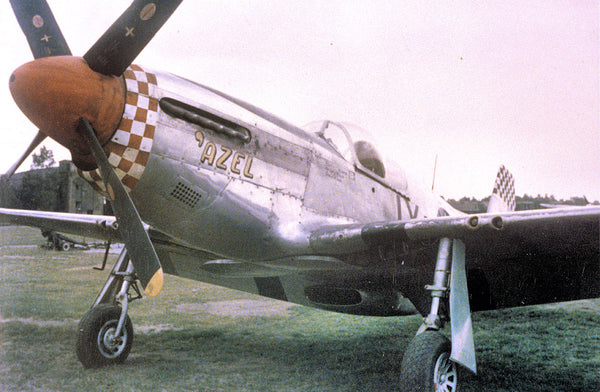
430, 361
105, 332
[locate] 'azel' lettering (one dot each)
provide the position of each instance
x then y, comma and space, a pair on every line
218, 156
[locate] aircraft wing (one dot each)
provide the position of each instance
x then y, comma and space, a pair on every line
508, 234
95, 226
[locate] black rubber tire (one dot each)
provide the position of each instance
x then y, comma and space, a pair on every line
91, 349
419, 362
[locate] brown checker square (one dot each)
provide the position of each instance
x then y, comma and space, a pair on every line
142, 158
125, 165
128, 74
143, 88
135, 141
151, 78
126, 124
141, 115
132, 98
129, 181
116, 148
149, 131
153, 105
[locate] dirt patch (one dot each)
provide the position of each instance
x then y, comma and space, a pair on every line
144, 329
18, 246
114, 249
39, 323
238, 308
155, 328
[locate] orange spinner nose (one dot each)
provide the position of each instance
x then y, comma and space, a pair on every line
55, 92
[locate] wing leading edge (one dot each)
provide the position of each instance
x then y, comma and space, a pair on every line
540, 228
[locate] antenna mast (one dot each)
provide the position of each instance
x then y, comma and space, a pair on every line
434, 168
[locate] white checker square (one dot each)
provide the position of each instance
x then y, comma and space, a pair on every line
136, 171
130, 111
146, 144
152, 117
130, 154
138, 128
143, 102
132, 85
114, 159
121, 137
140, 76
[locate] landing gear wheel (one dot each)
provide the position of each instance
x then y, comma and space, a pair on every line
96, 344
426, 365
66, 246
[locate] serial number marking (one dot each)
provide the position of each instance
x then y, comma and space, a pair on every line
217, 156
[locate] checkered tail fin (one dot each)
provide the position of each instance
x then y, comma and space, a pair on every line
503, 195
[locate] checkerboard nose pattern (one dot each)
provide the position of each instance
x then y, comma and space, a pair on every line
130, 146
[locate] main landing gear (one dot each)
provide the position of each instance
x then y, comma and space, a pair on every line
427, 366
430, 361
105, 332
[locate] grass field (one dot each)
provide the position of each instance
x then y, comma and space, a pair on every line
197, 337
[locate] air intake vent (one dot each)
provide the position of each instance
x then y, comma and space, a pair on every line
204, 119
186, 195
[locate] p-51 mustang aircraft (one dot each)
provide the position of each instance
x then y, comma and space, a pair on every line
211, 188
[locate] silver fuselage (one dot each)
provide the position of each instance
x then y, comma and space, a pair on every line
242, 204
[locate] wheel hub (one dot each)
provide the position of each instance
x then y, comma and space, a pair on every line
109, 345
445, 374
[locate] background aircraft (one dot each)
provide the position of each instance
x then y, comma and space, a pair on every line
232, 195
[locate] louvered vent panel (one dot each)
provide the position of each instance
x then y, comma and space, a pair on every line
186, 195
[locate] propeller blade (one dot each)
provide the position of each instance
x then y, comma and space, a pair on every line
39, 138
40, 28
140, 249
125, 39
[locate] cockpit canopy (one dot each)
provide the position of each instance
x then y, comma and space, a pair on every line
350, 142
356, 146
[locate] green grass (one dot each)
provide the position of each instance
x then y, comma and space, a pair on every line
187, 348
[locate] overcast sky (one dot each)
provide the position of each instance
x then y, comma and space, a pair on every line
477, 83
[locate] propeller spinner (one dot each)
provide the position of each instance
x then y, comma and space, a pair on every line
79, 103
55, 92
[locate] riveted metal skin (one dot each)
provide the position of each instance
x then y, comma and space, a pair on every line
283, 204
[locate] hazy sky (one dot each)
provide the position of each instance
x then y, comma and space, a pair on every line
478, 83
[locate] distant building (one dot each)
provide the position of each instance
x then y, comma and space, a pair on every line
68, 192
473, 206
